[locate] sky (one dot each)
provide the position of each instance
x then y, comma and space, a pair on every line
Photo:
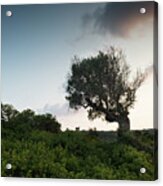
39, 42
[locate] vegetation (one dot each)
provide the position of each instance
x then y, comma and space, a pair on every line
36, 147
20, 124
102, 85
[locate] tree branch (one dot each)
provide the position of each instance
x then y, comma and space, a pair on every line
109, 114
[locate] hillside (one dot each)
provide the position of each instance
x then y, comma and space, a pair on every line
36, 147
75, 154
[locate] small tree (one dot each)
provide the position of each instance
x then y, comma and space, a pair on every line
101, 85
8, 112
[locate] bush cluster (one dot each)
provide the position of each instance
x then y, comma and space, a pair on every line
36, 147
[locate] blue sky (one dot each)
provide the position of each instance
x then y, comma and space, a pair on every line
39, 41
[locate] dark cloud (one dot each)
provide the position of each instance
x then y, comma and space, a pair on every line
86, 19
118, 18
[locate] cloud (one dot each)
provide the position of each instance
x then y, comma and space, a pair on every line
56, 109
119, 19
149, 70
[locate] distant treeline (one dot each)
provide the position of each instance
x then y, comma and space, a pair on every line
25, 121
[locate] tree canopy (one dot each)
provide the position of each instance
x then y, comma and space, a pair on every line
27, 120
102, 84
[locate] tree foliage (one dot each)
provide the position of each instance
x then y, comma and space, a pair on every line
103, 85
76, 155
25, 121
8, 112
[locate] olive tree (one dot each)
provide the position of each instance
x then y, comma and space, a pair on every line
104, 87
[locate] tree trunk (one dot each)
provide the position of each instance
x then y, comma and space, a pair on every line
124, 125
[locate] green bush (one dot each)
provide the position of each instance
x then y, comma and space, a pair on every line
45, 154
